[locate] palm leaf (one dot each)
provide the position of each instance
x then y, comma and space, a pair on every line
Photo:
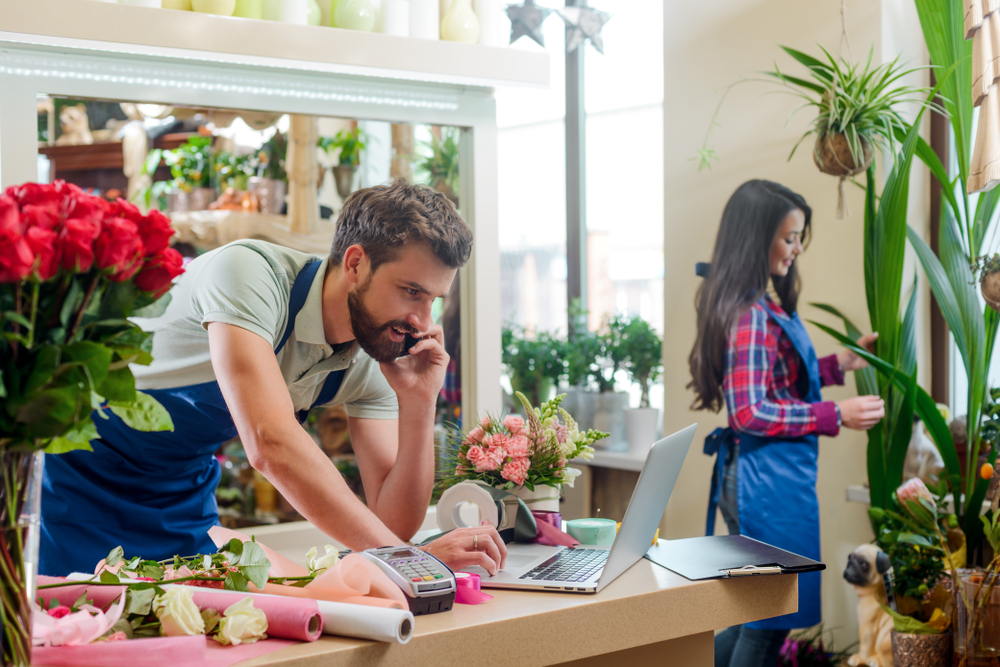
865, 378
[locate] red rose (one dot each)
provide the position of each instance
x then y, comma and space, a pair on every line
43, 244
10, 217
127, 210
159, 270
155, 230
49, 197
119, 248
76, 243
59, 612
87, 208
16, 258
39, 216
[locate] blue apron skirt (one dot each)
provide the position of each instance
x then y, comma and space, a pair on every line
776, 488
151, 493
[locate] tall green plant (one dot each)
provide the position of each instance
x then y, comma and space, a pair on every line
965, 221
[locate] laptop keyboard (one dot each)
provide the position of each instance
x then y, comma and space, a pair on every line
569, 565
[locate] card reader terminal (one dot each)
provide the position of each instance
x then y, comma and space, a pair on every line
428, 583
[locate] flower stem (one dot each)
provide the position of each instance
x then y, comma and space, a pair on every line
34, 313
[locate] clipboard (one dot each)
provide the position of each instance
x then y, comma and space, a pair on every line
727, 556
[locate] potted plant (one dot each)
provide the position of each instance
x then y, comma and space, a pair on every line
534, 363
271, 182
349, 144
643, 351
439, 162
190, 165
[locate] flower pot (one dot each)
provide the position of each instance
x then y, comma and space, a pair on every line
604, 412
833, 155
536, 391
641, 426
990, 286
977, 634
218, 7
20, 519
909, 650
270, 194
343, 176
459, 23
543, 498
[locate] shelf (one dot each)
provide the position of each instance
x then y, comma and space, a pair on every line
163, 34
207, 230
618, 460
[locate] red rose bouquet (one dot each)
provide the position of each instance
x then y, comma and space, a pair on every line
73, 269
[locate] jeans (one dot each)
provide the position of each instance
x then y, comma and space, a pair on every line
743, 647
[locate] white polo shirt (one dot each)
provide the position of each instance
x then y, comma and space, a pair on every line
248, 284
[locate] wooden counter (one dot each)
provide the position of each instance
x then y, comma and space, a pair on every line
648, 616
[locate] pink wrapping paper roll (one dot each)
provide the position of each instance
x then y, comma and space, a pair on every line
287, 617
469, 589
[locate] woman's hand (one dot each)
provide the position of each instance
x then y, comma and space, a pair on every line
849, 361
861, 412
463, 547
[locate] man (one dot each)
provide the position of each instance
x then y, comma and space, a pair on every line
254, 336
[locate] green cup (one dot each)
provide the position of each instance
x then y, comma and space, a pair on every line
600, 532
249, 9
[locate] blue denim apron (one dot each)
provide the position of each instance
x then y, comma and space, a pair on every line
776, 488
151, 493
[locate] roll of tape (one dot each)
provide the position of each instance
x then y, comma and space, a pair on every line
593, 531
449, 507
469, 589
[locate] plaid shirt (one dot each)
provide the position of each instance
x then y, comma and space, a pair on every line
762, 377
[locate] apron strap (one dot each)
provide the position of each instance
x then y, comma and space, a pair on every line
297, 299
717, 443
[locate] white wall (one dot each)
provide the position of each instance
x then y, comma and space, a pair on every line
708, 46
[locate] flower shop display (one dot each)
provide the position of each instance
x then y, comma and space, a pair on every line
643, 352
437, 162
348, 145
191, 168
73, 268
526, 455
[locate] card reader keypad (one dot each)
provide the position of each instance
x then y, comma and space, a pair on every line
417, 569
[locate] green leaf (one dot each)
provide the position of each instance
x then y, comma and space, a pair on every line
50, 413
864, 378
235, 581
908, 624
119, 386
913, 538
144, 414
114, 556
151, 569
139, 601
254, 564
78, 438
93, 356
154, 309
14, 316
45, 366
901, 434
109, 578
72, 301
211, 617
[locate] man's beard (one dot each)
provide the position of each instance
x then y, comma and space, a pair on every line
375, 340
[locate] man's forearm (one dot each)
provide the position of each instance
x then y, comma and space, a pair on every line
304, 475
406, 492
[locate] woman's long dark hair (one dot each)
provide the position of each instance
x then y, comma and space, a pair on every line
738, 278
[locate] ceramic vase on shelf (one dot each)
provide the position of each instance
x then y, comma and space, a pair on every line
20, 521
249, 9
294, 11
543, 498
459, 23
217, 7
314, 16
425, 19
354, 15
641, 426
489, 13
396, 17
182, 5
909, 650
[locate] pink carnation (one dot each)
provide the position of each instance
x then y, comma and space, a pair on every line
485, 423
481, 460
487, 440
514, 424
59, 612
117, 637
518, 446
912, 490
476, 435
516, 470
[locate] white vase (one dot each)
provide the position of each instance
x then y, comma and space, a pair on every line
489, 13
425, 20
315, 14
294, 11
459, 23
354, 15
543, 498
396, 17
641, 426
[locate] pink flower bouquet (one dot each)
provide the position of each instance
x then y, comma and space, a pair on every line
514, 451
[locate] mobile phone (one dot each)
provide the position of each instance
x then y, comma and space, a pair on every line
409, 342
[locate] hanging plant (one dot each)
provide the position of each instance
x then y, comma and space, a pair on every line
856, 107
988, 269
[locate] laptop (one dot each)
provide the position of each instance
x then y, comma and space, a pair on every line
588, 569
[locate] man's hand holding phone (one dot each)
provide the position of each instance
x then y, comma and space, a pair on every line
418, 373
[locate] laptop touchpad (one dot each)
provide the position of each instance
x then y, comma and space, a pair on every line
517, 562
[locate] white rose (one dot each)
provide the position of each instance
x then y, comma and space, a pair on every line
178, 614
242, 623
323, 562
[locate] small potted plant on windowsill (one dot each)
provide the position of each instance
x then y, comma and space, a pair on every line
348, 144
534, 363
439, 162
191, 166
643, 351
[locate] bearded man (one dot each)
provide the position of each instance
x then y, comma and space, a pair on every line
255, 335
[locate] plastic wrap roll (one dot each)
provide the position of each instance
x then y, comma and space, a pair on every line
448, 517
366, 621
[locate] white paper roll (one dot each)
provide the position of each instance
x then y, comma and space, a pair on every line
490, 25
365, 622
425, 19
396, 17
448, 508
294, 11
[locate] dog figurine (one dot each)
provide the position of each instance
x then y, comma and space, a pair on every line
864, 568
75, 126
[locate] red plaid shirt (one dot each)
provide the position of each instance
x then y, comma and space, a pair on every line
761, 381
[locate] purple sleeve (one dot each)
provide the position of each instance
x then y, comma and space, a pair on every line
830, 372
826, 418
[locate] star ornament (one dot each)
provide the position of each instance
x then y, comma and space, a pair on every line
526, 21
583, 23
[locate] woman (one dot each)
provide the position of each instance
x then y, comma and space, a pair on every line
753, 354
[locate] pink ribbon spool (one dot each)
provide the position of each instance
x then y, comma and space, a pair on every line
469, 589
